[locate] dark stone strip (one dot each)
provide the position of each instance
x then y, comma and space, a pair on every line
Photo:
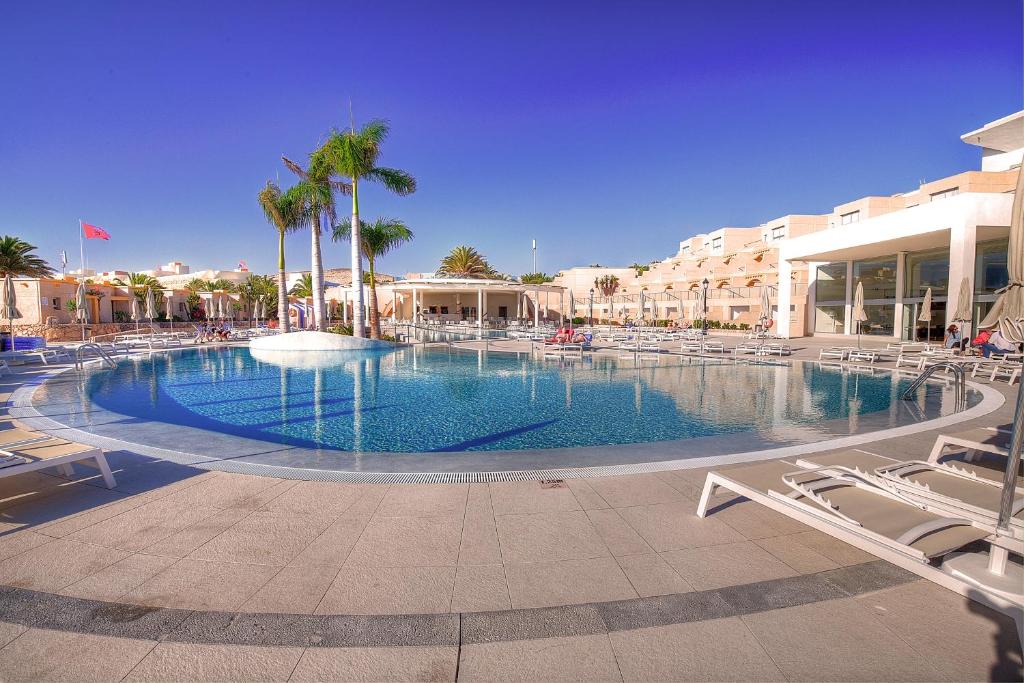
78, 615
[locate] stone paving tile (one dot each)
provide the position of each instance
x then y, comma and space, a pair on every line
620, 538
140, 527
634, 489
30, 487
726, 565
746, 518
191, 662
60, 503
64, 526
423, 500
856, 645
226, 491
713, 650
293, 590
112, 582
201, 585
39, 654
263, 538
57, 564
369, 499
181, 543
569, 582
377, 664
522, 497
15, 540
672, 526
585, 495
838, 551
683, 485
332, 547
576, 658
408, 542
548, 537
795, 554
327, 499
9, 632
480, 588
962, 639
651, 575
389, 590
479, 534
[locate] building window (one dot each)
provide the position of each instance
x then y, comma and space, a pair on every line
830, 284
56, 303
847, 218
877, 276
881, 320
716, 243
927, 269
951, 192
778, 232
990, 272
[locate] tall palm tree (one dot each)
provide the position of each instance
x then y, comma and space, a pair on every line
280, 210
255, 287
313, 199
465, 261
377, 238
353, 155
17, 259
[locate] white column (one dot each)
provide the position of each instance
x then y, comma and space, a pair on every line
519, 301
812, 298
963, 245
394, 305
415, 318
536, 310
480, 308
848, 309
344, 307
784, 319
901, 293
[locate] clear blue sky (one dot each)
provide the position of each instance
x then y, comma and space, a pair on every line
608, 131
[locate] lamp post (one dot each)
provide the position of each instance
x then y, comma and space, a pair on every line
704, 321
591, 306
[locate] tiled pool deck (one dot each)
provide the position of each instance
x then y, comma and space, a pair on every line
186, 574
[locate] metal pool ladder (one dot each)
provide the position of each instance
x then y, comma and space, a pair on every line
98, 350
959, 382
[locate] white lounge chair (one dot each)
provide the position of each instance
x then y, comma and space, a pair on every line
982, 439
41, 452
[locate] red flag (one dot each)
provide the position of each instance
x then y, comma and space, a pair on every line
94, 233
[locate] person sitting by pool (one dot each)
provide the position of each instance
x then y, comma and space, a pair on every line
980, 340
200, 337
953, 340
997, 343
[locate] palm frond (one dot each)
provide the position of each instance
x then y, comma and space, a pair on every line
395, 180
295, 168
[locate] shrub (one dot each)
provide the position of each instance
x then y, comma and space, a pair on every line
341, 329
578, 320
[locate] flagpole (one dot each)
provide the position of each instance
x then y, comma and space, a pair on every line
81, 246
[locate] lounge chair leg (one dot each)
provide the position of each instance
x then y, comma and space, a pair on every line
936, 451
66, 469
705, 496
104, 468
997, 558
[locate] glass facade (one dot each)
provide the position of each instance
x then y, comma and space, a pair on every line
830, 284
829, 319
990, 266
927, 269
881, 319
878, 277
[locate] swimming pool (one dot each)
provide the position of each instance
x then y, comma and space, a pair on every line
416, 410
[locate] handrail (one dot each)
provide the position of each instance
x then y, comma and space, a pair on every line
91, 346
959, 382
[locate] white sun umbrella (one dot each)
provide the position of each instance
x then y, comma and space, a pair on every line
859, 316
170, 307
81, 312
926, 314
766, 307
572, 308
702, 306
963, 312
150, 304
10, 301
643, 307
136, 313
220, 308
1007, 315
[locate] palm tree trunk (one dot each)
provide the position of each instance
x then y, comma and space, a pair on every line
357, 267
374, 314
282, 291
317, 277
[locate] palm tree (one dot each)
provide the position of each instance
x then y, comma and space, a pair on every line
313, 200
466, 262
255, 287
377, 239
303, 287
139, 284
17, 259
280, 210
353, 155
535, 278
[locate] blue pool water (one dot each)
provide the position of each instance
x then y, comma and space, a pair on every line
410, 401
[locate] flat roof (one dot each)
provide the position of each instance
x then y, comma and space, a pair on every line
1005, 134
